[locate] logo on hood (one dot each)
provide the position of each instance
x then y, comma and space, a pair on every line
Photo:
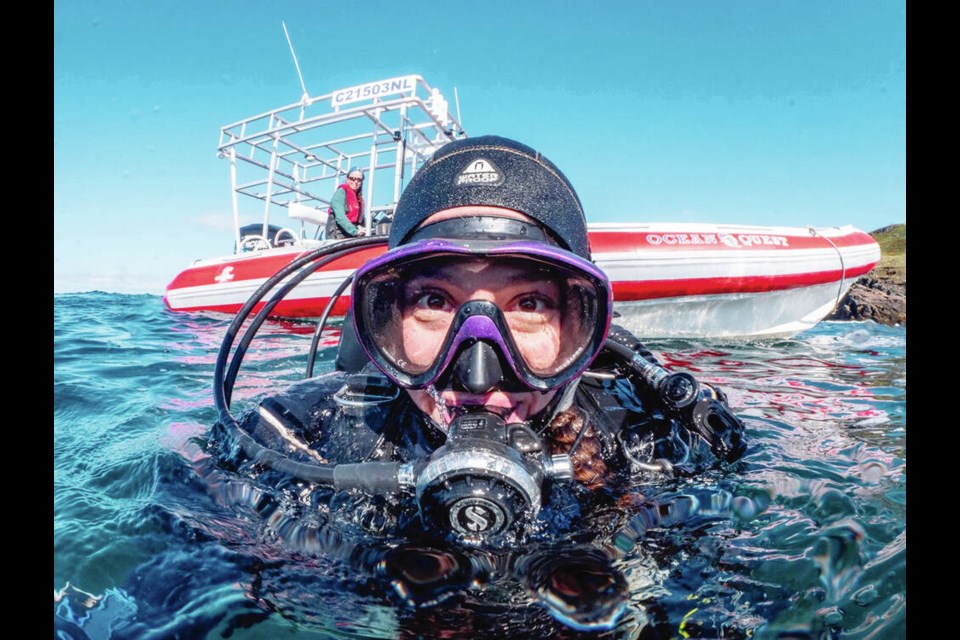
480, 171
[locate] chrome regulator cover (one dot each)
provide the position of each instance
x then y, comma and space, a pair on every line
486, 477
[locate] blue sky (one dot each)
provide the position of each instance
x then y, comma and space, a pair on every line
791, 112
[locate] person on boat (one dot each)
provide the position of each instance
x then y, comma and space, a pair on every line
346, 207
481, 379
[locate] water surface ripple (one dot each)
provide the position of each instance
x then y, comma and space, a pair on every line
806, 540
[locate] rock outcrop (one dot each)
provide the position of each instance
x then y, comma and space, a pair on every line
878, 296
881, 295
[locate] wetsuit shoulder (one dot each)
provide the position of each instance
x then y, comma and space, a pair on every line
649, 432
332, 418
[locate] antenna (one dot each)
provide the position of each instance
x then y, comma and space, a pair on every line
456, 99
295, 63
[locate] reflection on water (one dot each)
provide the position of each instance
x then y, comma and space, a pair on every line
806, 539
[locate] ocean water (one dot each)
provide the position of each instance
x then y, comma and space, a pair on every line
806, 540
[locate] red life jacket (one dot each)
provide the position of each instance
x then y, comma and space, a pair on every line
354, 204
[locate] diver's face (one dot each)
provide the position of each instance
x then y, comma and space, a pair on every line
530, 305
529, 301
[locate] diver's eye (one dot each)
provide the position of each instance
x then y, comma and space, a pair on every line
429, 304
432, 301
533, 303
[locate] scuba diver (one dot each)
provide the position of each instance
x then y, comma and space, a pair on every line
483, 400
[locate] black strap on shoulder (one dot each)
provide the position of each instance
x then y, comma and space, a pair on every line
602, 410
350, 355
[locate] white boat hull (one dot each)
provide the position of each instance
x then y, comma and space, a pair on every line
669, 280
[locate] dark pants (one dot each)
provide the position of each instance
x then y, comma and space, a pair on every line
334, 231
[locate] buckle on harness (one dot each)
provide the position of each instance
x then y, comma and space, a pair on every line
366, 390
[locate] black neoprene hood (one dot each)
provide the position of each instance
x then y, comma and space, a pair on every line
497, 172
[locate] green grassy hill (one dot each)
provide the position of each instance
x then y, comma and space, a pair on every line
893, 247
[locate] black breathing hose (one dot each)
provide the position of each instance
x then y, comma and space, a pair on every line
374, 477
678, 391
223, 385
315, 342
263, 314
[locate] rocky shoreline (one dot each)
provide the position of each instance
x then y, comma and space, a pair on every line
874, 297
881, 295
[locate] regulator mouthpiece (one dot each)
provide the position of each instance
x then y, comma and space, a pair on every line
486, 478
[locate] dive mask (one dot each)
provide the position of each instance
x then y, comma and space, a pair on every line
541, 319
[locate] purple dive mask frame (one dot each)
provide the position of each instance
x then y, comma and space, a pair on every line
480, 320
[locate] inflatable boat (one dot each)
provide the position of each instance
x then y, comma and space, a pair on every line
670, 280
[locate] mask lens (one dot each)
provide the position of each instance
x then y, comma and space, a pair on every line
553, 322
545, 316
386, 304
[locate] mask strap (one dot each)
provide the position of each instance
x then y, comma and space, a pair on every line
566, 399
